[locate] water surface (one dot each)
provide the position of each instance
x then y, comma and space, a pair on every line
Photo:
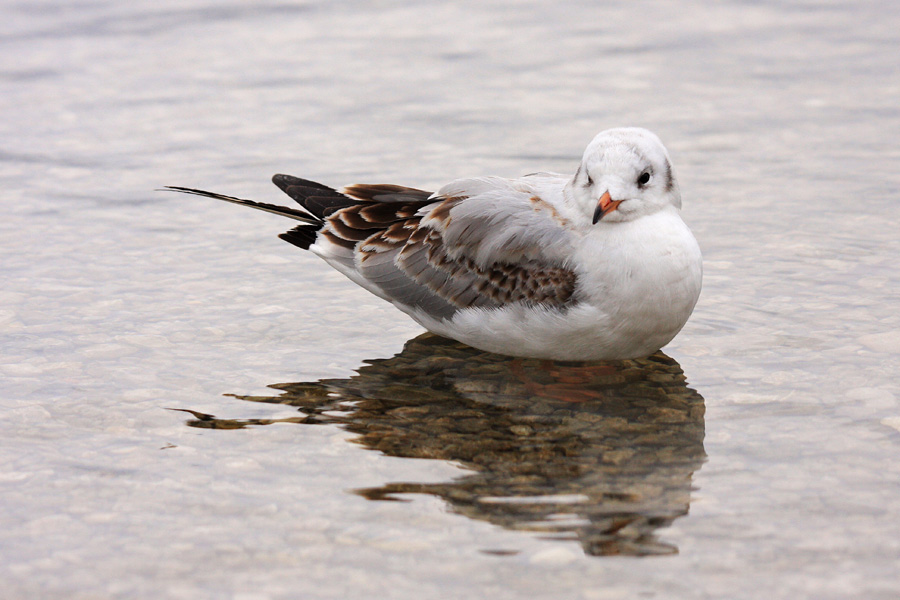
756, 457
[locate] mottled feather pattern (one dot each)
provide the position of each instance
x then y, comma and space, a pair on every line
383, 192
410, 226
497, 284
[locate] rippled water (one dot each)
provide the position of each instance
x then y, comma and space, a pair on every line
598, 453
755, 458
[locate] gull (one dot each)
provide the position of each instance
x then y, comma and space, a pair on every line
598, 265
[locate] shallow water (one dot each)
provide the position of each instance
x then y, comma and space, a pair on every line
598, 453
770, 472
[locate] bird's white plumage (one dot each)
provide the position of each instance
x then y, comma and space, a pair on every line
636, 289
597, 265
637, 272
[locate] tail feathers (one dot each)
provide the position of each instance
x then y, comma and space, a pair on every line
303, 216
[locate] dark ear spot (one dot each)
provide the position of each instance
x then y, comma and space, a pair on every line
588, 183
670, 183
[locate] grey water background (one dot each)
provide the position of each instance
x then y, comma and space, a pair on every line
120, 302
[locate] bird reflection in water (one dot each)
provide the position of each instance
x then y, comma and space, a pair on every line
601, 453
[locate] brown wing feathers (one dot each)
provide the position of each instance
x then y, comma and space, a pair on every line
369, 208
467, 284
420, 253
411, 264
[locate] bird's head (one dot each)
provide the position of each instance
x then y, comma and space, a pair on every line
625, 173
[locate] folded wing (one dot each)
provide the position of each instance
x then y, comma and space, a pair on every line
476, 243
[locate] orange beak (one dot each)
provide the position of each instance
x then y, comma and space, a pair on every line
606, 205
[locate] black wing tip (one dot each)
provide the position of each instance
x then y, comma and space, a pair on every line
286, 181
303, 236
281, 180
317, 198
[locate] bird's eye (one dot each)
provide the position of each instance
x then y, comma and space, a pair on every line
590, 181
644, 178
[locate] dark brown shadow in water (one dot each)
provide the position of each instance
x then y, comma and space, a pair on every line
601, 453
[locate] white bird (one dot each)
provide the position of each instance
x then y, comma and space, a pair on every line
594, 266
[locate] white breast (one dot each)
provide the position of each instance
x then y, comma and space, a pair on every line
644, 277
637, 285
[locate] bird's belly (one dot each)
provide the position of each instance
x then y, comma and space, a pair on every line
628, 303
579, 332
638, 318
